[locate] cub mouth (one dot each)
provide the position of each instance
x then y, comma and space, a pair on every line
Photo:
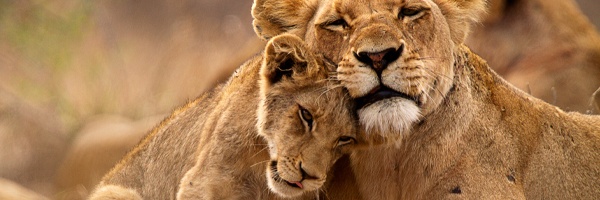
277, 178
381, 93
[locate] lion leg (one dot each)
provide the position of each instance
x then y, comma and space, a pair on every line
114, 192
196, 184
208, 182
191, 185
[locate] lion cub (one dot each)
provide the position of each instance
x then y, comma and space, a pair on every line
306, 121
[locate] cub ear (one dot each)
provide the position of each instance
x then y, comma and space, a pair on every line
286, 58
460, 15
274, 17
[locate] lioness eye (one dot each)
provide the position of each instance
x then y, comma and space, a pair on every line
345, 140
306, 117
408, 12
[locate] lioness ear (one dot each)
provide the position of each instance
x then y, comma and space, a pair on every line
286, 58
274, 17
460, 15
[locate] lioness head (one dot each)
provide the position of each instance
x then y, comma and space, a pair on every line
306, 119
395, 56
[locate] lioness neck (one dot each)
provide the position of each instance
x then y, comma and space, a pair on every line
486, 130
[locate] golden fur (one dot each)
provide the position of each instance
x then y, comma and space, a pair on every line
474, 136
545, 47
214, 146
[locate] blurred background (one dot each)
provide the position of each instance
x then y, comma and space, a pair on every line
81, 81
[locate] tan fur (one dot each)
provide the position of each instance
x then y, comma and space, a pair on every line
546, 47
478, 137
213, 145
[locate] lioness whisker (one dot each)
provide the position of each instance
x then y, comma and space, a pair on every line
432, 73
259, 151
324, 190
264, 161
329, 89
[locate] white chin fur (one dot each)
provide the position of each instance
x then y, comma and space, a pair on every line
390, 118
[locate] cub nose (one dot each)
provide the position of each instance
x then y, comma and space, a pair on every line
379, 60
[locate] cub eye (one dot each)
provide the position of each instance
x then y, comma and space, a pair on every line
344, 140
408, 12
306, 117
340, 22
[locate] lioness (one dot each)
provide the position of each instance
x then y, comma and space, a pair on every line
545, 47
306, 120
463, 132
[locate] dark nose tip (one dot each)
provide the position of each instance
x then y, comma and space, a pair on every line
379, 60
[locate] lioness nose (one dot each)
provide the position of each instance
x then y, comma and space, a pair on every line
379, 60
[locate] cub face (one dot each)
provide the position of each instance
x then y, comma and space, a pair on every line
306, 119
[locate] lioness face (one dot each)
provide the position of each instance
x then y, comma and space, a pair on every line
306, 119
398, 65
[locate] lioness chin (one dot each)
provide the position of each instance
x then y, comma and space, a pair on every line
461, 130
273, 131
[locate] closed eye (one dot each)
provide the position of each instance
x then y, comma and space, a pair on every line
411, 12
345, 140
337, 25
339, 22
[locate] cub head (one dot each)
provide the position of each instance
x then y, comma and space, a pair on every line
395, 57
306, 119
